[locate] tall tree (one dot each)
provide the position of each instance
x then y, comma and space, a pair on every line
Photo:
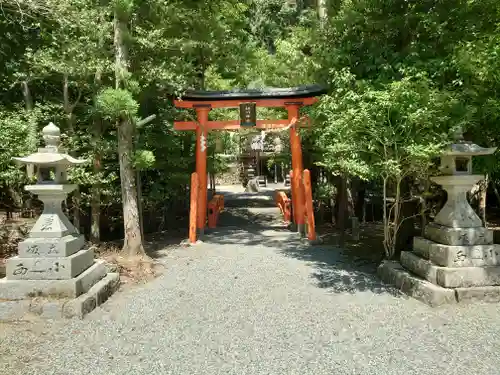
132, 244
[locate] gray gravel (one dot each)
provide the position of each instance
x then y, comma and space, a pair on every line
258, 302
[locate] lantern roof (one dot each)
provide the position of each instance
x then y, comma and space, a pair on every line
50, 155
464, 148
468, 149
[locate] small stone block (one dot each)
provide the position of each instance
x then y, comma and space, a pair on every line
422, 246
49, 268
458, 236
465, 277
106, 287
51, 247
393, 273
96, 296
457, 256
478, 294
79, 307
72, 288
421, 267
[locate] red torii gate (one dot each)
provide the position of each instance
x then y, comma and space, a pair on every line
247, 100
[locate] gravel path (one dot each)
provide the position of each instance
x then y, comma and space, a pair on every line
255, 301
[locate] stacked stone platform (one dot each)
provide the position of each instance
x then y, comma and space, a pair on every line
53, 275
448, 265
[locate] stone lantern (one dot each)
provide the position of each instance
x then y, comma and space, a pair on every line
455, 260
51, 166
457, 180
53, 264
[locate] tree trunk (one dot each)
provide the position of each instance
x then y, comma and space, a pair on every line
343, 207
32, 140
386, 219
424, 207
95, 201
132, 244
477, 199
322, 10
352, 194
28, 99
14, 201
359, 205
334, 199
406, 221
68, 110
482, 200
95, 191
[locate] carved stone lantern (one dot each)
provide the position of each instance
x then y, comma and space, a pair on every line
457, 180
456, 259
53, 264
51, 166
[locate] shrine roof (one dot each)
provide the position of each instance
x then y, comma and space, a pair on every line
304, 91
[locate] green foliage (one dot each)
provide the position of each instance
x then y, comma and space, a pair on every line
401, 74
14, 131
123, 8
392, 130
144, 159
115, 104
324, 192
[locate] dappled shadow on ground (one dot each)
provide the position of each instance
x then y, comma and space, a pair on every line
247, 218
253, 220
245, 200
341, 271
158, 244
155, 244
335, 269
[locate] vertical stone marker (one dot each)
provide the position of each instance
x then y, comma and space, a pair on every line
53, 275
456, 260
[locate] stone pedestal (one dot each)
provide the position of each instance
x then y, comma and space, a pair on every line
52, 275
455, 261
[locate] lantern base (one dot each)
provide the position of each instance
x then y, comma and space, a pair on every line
52, 223
457, 212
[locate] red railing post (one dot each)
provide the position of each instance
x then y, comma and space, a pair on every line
193, 207
294, 197
215, 206
311, 227
283, 203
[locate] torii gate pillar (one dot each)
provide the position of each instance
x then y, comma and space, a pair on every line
298, 170
201, 165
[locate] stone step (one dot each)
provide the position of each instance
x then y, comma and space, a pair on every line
478, 294
457, 256
95, 296
458, 236
466, 277
419, 266
63, 308
51, 247
72, 288
449, 277
47, 268
393, 273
